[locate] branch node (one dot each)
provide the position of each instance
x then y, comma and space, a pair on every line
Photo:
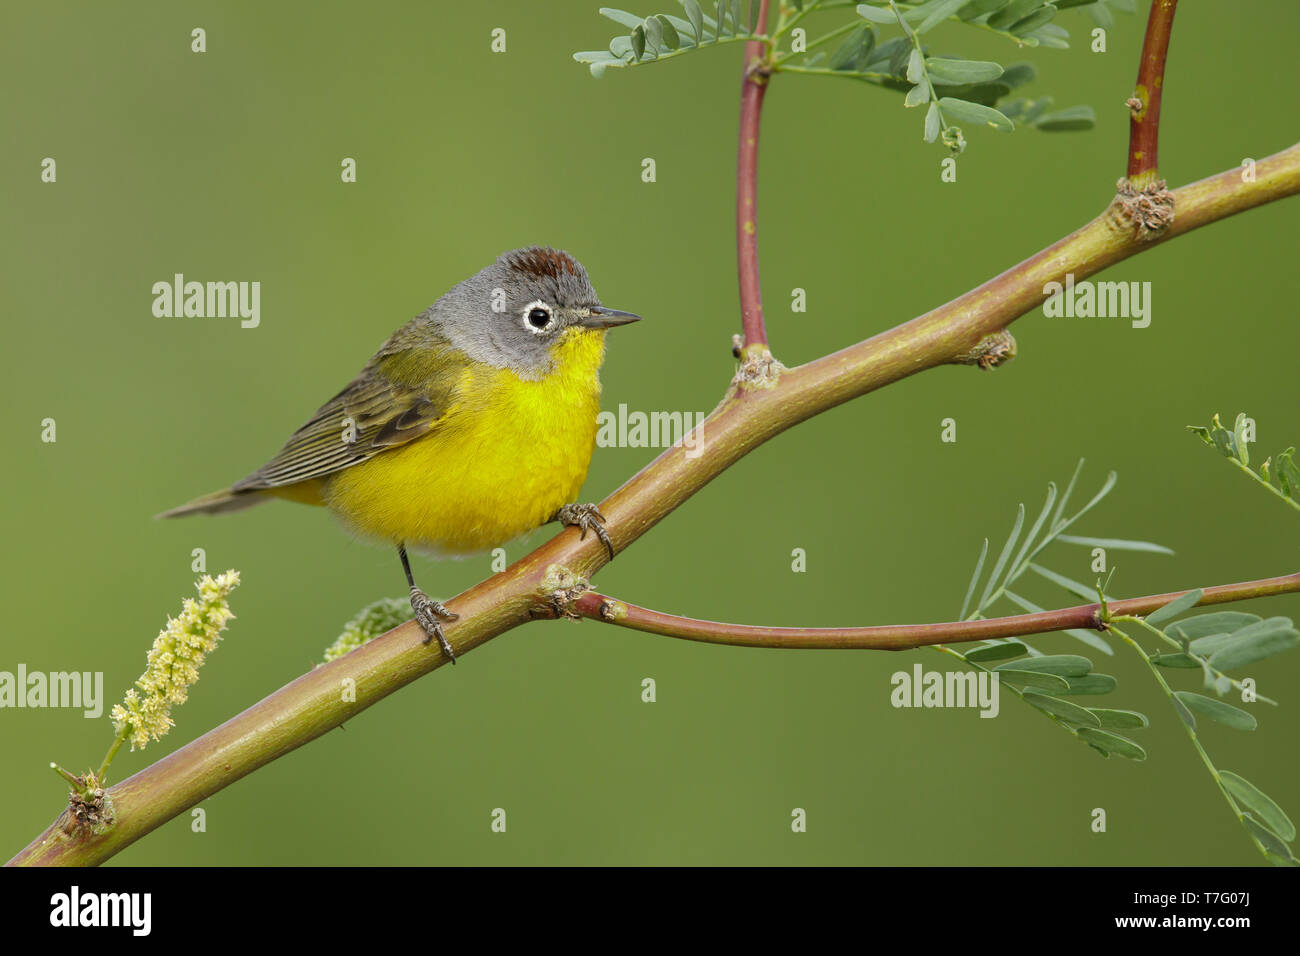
562, 588
611, 610
996, 348
1145, 211
1135, 107
758, 369
90, 809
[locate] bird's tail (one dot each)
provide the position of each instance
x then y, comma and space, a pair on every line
219, 502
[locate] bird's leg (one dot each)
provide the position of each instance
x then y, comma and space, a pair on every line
427, 610
587, 517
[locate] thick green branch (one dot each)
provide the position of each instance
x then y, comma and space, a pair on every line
317, 703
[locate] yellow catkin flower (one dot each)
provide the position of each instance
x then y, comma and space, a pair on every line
174, 661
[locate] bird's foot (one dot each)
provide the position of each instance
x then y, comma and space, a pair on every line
429, 614
588, 518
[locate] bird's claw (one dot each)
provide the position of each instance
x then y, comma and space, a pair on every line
586, 517
429, 614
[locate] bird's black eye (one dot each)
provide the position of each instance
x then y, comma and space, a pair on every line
539, 318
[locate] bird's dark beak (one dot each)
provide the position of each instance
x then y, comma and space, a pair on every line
599, 317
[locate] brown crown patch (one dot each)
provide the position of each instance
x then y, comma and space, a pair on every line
543, 263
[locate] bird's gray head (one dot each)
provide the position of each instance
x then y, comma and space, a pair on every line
516, 313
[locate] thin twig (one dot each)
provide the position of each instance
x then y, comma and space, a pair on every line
1144, 116
901, 637
1277, 493
753, 89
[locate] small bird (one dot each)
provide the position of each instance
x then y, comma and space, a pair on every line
473, 424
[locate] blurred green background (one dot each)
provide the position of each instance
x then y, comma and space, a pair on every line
225, 166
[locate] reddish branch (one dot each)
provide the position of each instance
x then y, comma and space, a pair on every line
1144, 118
900, 637
753, 89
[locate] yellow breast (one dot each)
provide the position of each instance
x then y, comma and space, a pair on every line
505, 457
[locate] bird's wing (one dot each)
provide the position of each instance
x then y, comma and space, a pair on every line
405, 391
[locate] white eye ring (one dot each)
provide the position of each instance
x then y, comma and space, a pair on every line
530, 317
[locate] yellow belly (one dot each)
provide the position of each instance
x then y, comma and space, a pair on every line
503, 460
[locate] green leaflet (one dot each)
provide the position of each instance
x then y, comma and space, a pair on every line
1255, 642
1049, 682
1063, 709
996, 652
930, 134
937, 12
1217, 622
1255, 800
979, 567
961, 71
1089, 684
1111, 743
1119, 719
875, 14
1114, 544
1175, 607
1012, 13
1063, 665
964, 112
1175, 660
1217, 710
1034, 21
852, 54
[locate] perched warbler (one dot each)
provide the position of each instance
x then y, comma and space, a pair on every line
473, 424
